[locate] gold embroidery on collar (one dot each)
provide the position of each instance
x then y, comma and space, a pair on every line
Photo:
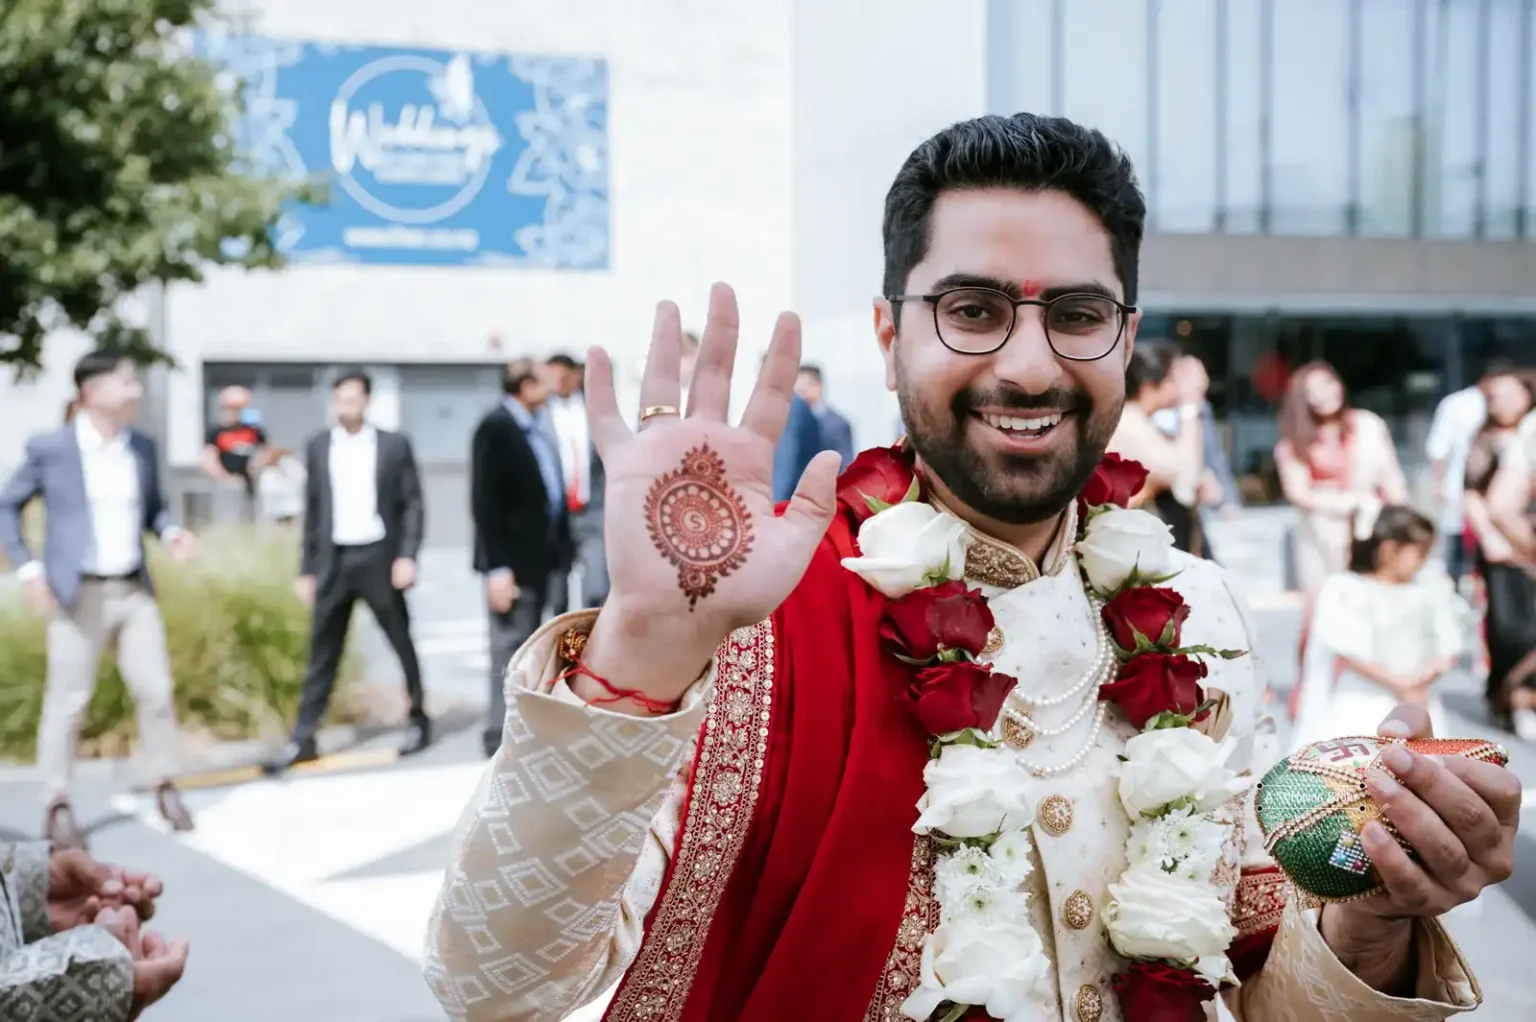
992, 562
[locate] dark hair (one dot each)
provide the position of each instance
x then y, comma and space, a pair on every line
1298, 424
354, 376
562, 360
1397, 523
1027, 152
1151, 362
811, 370
101, 362
518, 372
1497, 367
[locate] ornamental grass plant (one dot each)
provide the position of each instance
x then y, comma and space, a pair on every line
238, 640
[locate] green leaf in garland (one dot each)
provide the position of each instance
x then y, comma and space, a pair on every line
875, 503
1225, 654
1169, 631
913, 492
1168, 720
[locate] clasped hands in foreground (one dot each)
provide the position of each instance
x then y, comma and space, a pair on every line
84, 892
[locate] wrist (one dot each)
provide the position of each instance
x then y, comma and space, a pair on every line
1377, 949
637, 650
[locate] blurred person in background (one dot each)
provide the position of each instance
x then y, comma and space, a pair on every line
836, 431
1511, 502
71, 944
1158, 378
1509, 625
1457, 419
231, 454
522, 525
799, 443
99, 481
582, 471
280, 486
1218, 489
363, 521
1333, 460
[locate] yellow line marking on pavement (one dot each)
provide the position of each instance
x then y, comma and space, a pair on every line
352, 760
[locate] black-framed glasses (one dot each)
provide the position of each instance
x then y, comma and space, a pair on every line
979, 321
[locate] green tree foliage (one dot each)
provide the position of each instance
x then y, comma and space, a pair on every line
117, 168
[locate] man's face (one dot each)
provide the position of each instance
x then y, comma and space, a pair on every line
536, 389
116, 393
809, 389
563, 380
1041, 243
349, 402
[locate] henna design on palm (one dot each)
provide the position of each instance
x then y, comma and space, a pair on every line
699, 523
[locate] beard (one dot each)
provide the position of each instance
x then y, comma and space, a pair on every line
1017, 489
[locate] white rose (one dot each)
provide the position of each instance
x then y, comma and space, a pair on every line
1118, 540
906, 545
1012, 854
1215, 970
1152, 915
998, 967
1176, 764
974, 792
1182, 842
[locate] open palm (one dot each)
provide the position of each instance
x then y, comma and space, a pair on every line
690, 529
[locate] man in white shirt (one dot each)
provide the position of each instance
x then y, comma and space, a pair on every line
99, 481
363, 523
1457, 419
582, 473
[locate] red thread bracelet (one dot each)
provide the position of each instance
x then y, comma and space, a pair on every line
619, 695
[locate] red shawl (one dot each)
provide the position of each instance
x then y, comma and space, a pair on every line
810, 912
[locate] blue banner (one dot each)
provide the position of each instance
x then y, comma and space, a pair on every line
431, 157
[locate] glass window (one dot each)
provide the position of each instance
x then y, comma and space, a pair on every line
1506, 46
1244, 115
1389, 124
1020, 56
1309, 137
1485, 340
1455, 67
1106, 71
1184, 195
1528, 138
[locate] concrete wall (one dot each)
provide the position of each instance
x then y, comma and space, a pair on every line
701, 154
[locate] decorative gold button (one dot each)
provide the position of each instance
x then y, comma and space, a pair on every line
1077, 910
1090, 1004
994, 641
1016, 734
1055, 814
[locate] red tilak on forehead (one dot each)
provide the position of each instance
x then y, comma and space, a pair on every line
1031, 288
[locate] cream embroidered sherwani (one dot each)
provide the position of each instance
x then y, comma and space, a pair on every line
559, 857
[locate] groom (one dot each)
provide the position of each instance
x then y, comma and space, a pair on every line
871, 755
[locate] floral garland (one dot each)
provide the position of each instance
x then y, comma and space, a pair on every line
985, 959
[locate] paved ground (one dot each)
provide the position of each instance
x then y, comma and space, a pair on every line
307, 898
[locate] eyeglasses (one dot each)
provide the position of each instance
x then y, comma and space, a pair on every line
979, 321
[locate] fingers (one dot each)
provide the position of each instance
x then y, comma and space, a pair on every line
661, 386
604, 420
811, 508
709, 393
1442, 851
1405, 880
1407, 721
768, 410
1498, 786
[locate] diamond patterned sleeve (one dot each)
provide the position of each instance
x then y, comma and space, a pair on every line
560, 854
26, 869
80, 975
1304, 980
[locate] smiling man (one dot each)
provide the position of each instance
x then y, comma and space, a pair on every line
872, 754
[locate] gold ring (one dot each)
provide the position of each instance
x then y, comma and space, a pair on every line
652, 411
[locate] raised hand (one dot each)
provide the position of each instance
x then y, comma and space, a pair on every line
694, 547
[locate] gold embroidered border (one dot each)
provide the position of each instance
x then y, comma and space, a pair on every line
1261, 898
727, 780
903, 969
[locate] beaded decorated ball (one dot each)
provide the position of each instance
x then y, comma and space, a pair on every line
1312, 806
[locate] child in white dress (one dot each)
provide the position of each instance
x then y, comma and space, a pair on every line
1381, 634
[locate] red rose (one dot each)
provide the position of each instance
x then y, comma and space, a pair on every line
1115, 481
956, 695
1154, 683
1148, 610
949, 616
882, 473
1149, 992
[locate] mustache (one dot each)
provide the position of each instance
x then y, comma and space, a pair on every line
1068, 399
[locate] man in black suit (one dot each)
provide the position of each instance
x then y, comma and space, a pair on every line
522, 527
836, 432
363, 522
